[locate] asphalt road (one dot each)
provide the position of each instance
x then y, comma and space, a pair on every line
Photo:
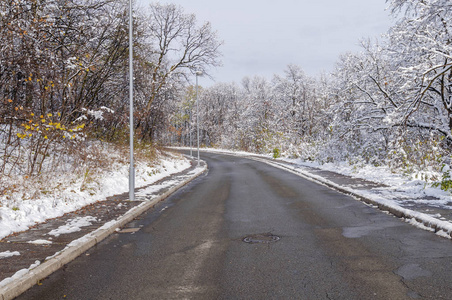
191, 246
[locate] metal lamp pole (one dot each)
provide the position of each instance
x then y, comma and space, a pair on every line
189, 128
131, 169
198, 73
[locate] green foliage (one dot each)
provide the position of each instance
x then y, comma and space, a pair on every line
153, 172
414, 154
89, 182
446, 181
276, 153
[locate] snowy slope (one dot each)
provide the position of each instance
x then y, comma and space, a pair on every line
30, 204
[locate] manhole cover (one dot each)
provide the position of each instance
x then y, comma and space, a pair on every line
265, 238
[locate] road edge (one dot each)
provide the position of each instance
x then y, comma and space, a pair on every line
35, 275
439, 227
432, 224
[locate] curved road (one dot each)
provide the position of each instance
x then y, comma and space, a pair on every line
191, 246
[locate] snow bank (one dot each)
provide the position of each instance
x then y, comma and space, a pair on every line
19, 210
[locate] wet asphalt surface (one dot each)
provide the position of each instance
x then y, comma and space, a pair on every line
247, 230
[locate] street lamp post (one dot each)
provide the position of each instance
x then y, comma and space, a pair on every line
131, 168
189, 129
198, 73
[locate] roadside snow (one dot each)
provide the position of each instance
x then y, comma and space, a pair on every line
40, 242
8, 254
19, 210
73, 225
153, 188
19, 274
400, 188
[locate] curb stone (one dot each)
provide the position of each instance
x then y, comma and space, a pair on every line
400, 212
52, 264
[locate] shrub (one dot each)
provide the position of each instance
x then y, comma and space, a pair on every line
446, 182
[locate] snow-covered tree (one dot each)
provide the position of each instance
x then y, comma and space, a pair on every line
420, 44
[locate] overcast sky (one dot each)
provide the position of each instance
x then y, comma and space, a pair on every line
261, 37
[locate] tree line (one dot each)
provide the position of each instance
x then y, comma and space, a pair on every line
64, 74
64, 79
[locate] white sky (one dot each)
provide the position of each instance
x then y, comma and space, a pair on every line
261, 37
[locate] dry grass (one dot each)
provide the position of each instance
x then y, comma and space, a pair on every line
85, 161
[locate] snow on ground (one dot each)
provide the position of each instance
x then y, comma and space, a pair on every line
24, 207
401, 187
19, 274
40, 242
153, 188
8, 254
73, 225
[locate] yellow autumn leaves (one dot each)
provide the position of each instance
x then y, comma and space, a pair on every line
46, 127
48, 85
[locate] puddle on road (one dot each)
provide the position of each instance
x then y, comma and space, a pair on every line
412, 271
360, 231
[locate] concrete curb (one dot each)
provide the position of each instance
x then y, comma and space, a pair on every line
18, 286
434, 224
